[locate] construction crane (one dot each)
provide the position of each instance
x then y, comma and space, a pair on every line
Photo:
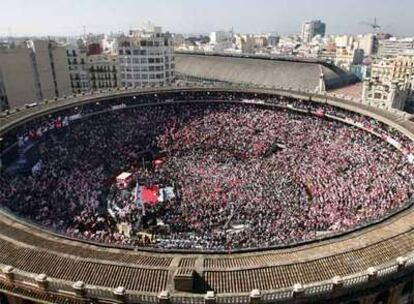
375, 26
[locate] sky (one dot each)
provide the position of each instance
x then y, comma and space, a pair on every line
68, 17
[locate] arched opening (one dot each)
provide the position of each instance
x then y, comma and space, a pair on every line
382, 298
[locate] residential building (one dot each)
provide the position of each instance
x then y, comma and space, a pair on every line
386, 96
398, 69
368, 43
34, 71
103, 71
245, 44
344, 41
146, 57
78, 69
392, 82
220, 36
92, 72
395, 47
51, 68
388, 69
346, 57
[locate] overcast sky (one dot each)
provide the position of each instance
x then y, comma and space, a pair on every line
67, 17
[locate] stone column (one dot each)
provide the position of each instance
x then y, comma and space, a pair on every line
120, 294
372, 273
298, 290
255, 297
210, 298
41, 281
338, 283
79, 288
164, 297
9, 273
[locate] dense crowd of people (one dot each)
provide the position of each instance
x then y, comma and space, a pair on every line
245, 176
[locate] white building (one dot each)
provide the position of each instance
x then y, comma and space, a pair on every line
386, 96
344, 41
220, 37
391, 84
395, 47
367, 43
146, 57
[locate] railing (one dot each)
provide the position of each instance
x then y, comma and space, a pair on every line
338, 285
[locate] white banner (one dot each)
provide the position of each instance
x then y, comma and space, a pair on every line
75, 117
118, 107
394, 143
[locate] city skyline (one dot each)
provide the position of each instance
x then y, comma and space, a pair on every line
68, 18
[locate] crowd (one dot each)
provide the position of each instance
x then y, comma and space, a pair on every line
245, 176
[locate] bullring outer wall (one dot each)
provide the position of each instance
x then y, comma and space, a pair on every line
354, 265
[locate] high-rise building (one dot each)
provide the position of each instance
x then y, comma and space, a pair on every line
311, 29
146, 57
32, 72
368, 43
51, 68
